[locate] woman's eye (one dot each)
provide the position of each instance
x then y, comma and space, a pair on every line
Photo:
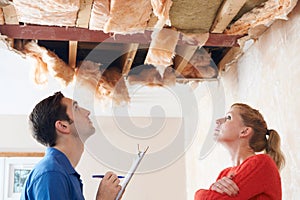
228, 118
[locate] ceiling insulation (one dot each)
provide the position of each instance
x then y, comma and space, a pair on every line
193, 15
131, 23
262, 16
126, 17
248, 6
58, 13
4, 3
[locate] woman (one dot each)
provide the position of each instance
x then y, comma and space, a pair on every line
243, 132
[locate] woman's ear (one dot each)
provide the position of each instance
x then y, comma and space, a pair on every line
246, 131
62, 126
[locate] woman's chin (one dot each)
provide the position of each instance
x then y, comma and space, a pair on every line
216, 136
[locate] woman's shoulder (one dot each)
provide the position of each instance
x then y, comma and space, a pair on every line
260, 165
262, 160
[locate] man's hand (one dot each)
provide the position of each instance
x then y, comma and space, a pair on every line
109, 187
225, 185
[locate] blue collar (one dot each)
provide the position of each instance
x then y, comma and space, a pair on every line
62, 159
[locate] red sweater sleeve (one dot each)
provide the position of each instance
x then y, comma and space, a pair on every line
257, 178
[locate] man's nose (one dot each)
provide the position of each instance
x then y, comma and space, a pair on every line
87, 112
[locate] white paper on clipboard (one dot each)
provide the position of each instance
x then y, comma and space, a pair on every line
131, 171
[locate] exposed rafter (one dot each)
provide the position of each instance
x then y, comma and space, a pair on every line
186, 53
72, 53
86, 35
129, 57
226, 13
84, 13
231, 56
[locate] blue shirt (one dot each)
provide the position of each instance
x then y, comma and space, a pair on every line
53, 178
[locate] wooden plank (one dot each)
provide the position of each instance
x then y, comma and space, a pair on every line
1, 17
129, 57
72, 53
22, 154
101, 46
84, 13
230, 56
10, 15
214, 40
86, 35
226, 13
184, 54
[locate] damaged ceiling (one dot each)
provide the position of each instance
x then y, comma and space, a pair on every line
196, 38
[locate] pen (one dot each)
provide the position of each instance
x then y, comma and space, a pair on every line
101, 176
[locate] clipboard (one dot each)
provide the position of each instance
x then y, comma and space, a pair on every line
132, 170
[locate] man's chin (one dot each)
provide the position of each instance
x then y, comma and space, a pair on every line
88, 135
93, 131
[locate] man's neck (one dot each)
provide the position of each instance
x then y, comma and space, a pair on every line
73, 150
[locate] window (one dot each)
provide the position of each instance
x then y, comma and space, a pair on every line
13, 173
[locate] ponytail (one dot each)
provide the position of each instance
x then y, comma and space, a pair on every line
273, 148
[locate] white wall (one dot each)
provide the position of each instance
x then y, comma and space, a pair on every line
267, 78
15, 134
154, 179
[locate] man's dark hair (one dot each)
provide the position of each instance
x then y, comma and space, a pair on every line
43, 117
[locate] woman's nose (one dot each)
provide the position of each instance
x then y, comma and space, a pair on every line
219, 121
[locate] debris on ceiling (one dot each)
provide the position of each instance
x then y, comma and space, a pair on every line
152, 42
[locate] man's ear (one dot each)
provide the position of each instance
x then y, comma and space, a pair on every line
246, 131
62, 126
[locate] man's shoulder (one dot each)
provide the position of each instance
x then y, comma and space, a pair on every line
48, 164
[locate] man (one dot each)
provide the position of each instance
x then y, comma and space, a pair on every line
63, 126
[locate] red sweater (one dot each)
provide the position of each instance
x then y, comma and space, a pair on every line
257, 178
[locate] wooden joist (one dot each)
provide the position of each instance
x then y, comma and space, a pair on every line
1, 17
129, 57
184, 54
231, 56
72, 53
86, 35
84, 13
226, 13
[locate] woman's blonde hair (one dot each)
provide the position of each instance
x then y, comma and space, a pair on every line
263, 138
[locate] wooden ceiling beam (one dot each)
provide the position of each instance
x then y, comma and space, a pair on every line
225, 15
129, 57
72, 53
185, 54
230, 57
86, 35
84, 13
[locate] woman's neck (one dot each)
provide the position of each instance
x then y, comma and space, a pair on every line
240, 153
